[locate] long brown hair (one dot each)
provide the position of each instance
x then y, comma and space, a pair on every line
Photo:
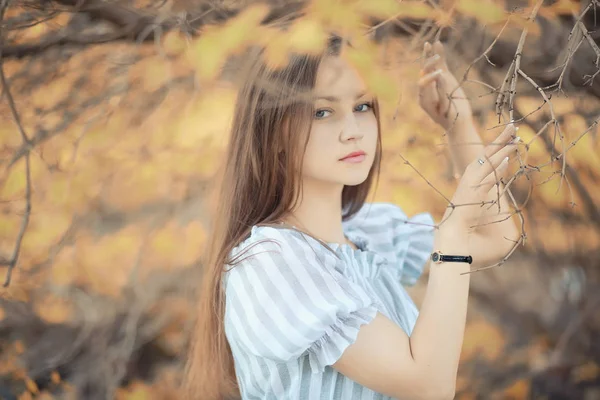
260, 183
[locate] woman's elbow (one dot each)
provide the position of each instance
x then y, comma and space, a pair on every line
440, 393
449, 393
431, 391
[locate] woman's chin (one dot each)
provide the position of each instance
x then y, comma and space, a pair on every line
355, 179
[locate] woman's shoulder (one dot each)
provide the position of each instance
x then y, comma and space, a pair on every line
272, 237
279, 245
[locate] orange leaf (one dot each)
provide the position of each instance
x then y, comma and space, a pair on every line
518, 390
31, 386
55, 377
482, 337
586, 372
54, 309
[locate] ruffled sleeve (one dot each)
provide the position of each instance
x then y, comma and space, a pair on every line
413, 242
284, 299
405, 242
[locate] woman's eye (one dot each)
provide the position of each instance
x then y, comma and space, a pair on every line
319, 114
363, 107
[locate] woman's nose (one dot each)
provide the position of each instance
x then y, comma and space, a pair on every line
350, 129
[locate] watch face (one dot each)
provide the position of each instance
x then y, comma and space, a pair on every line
435, 257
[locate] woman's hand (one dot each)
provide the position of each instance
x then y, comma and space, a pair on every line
477, 181
436, 85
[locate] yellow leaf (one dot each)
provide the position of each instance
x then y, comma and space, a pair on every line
53, 309
157, 73
563, 7
536, 150
210, 115
522, 22
149, 178
165, 244
195, 239
307, 36
106, 263
336, 15
9, 134
16, 181
136, 391
486, 12
64, 269
583, 153
174, 43
277, 52
210, 51
45, 228
208, 55
380, 9
553, 193
243, 28
9, 228
99, 139
417, 10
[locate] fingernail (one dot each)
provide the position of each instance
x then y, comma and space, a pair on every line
517, 128
435, 57
506, 159
517, 139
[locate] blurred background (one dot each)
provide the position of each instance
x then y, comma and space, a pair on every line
114, 116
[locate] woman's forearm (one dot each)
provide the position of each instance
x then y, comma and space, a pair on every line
437, 338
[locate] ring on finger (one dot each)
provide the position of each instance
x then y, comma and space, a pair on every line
480, 161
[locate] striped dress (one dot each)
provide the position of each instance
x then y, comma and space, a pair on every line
293, 306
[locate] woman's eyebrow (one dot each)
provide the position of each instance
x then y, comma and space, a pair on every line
334, 99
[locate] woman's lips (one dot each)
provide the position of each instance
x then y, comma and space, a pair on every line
356, 158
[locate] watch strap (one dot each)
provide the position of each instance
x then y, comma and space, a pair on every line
438, 257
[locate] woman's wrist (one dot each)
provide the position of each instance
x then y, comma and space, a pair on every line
452, 240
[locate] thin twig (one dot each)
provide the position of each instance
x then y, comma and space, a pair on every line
12, 262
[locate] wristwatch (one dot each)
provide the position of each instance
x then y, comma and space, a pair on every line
438, 258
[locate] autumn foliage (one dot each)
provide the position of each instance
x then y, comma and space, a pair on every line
113, 119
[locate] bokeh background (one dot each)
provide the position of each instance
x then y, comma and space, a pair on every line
113, 120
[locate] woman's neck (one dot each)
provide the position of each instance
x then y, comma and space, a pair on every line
319, 213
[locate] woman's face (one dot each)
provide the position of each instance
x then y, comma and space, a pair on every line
343, 123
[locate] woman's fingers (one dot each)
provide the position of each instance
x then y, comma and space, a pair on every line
491, 163
427, 93
438, 48
429, 78
431, 64
495, 176
427, 51
442, 92
502, 140
428, 98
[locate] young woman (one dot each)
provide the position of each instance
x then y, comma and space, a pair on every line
303, 294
